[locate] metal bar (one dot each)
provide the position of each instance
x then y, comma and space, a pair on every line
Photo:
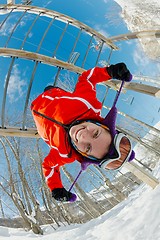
144, 165
6, 18
99, 53
142, 174
107, 89
74, 57
147, 79
17, 132
141, 88
10, 1
138, 139
136, 120
30, 29
87, 51
49, 13
15, 26
5, 93
32, 77
60, 39
44, 35
109, 57
28, 94
56, 77
40, 58
140, 34
75, 44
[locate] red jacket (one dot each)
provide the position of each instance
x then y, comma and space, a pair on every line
66, 107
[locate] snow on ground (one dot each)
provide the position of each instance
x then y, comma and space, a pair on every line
136, 218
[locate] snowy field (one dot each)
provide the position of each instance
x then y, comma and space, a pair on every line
136, 218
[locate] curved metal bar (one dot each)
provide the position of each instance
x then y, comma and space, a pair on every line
86, 54
50, 13
5, 93
6, 18
99, 53
28, 94
60, 39
31, 56
75, 44
146, 89
15, 28
44, 35
30, 29
40, 58
32, 77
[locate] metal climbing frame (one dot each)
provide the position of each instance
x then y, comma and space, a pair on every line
52, 58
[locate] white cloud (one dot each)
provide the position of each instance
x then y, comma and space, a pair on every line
6, 29
25, 20
101, 30
8, 26
16, 85
144, 64
139, 57
46, 4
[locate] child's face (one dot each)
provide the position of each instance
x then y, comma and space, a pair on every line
91, 139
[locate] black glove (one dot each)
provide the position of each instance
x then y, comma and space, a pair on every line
61, 194
119, 71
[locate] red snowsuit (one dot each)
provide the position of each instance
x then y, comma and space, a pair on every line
66, 107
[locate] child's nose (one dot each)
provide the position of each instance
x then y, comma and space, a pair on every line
86, 136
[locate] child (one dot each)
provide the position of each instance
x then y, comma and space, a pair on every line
71, 124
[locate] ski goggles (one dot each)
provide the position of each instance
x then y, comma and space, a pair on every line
120, 152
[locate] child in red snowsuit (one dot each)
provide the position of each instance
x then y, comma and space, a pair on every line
60, 118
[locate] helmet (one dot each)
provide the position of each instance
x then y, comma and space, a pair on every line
121, 149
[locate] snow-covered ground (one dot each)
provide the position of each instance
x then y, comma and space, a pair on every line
137, 218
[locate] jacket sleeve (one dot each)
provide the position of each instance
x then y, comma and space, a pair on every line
51, 171
92, 76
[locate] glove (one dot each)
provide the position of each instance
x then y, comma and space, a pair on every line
61, 194
120, 71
